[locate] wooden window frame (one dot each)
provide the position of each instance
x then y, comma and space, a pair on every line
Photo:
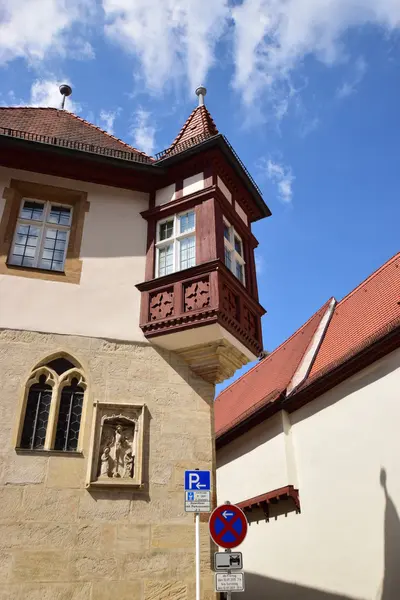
235, 257
174, 241
13, 195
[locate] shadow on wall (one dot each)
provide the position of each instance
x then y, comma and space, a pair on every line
266, 588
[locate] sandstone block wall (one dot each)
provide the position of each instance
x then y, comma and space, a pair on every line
59, 541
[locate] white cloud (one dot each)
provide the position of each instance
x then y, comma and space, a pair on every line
349, 87
31, 29
259, 260
273, 37
143, 131
173, 39
283, 178
45, 92
107, 119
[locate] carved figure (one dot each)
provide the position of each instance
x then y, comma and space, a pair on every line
117, 447
105, 463
128, 461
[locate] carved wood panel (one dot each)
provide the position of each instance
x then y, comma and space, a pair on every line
161, 304
230, 303
197, 295
250, 322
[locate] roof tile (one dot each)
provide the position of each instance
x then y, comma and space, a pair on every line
370, 307
265, 382
199, 123
368, 310
62, 124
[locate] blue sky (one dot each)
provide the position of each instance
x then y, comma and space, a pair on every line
307, 92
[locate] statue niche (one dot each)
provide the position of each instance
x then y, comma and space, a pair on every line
117, 447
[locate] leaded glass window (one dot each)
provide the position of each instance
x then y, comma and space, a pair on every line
41, 235
69, 417
36, 415
53, 408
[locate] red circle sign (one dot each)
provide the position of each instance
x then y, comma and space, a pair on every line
228, 526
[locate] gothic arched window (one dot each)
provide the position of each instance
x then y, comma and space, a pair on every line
53, 406
36, 415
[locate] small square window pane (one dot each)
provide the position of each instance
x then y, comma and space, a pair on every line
23, 229
61, 235
16, 259
228, 259
49, 244
52, 233
60, 215
166, 230
60, 245
19, 249
165, 260
239, 272
187, 252
27, 261
58, 256
45, 264
227, 232
32, 240
238, 246
30, 251
186, 222
21, 239
48, 254
32, 210
57, 266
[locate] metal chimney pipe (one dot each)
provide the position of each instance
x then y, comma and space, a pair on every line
65, 91
201, 92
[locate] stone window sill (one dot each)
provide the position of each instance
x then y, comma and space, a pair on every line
50, 452
114, 483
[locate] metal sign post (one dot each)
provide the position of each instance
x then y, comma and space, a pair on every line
197, 518
197, 500
228, 528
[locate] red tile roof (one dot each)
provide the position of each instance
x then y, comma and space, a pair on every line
199, 123
266, 381
62, 124
368, 312
373, 306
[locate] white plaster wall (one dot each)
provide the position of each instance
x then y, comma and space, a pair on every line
165, 195
106, 302
224, 189
255, 465
193, 184
346, 541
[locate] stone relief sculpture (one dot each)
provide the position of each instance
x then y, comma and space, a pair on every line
116, 453
117, 449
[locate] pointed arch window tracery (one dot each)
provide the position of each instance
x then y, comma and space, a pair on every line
53, 405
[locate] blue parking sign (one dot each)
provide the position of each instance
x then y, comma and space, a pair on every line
197, 480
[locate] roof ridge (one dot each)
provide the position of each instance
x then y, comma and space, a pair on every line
103, 131
181, 131
257, 365
369, 278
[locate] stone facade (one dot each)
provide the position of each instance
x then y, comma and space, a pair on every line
62, 541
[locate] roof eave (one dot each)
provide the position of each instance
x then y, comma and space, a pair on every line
7, 141
387, 342
222, 144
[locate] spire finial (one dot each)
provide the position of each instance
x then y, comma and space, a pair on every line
201, 92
